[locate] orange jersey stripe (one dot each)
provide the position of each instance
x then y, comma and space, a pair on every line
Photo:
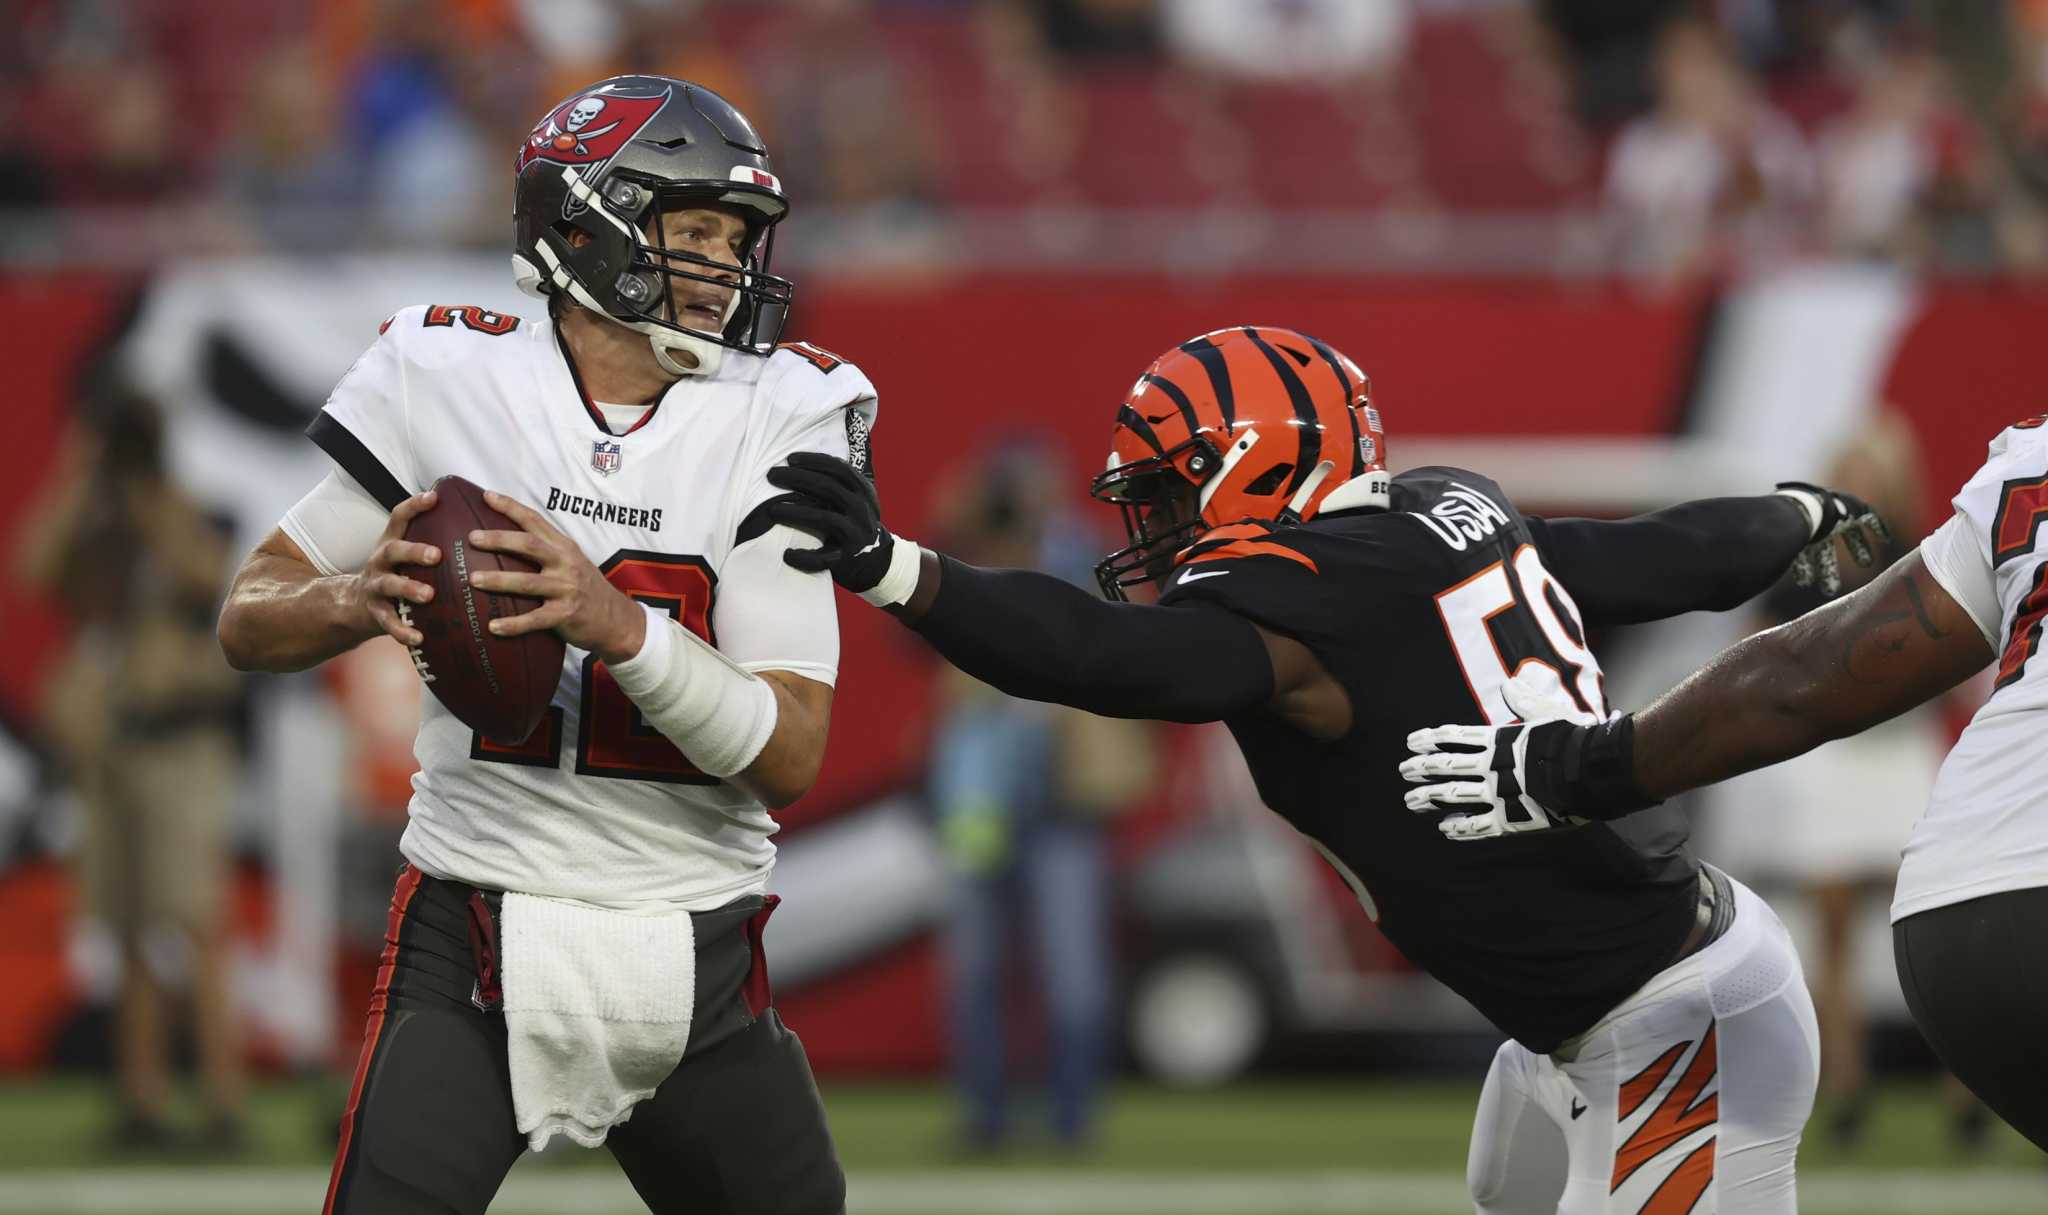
380, 994
1637, 1090
1678, 1115
1682, 1190
1254, 548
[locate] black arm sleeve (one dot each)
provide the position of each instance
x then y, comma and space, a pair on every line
1711, 555
1034, 636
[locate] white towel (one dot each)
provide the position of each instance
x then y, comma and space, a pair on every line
597, 1011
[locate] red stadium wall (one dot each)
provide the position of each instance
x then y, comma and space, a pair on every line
962, 362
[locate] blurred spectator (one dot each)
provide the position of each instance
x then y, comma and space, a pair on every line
1878, 161
1100, 29
1608, 44
410, 111
140, 713
288, 182
1288, 39
132, 142
1713, 177
1021, 790
839, 111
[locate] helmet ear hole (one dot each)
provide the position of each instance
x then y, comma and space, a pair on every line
1271, 480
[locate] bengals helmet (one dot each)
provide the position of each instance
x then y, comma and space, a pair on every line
609, 159
1247, 423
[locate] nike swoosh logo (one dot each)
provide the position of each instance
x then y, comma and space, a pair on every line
1577, 1109
1191, 575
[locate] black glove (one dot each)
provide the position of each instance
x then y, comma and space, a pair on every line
831, 500
1841, 514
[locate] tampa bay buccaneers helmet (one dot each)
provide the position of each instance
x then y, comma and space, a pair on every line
609, 159
1246, 423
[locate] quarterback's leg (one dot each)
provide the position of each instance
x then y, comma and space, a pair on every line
429, 1125
1979, 994
1517, 1162
738, 1128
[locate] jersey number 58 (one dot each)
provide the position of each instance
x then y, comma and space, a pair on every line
1514, 614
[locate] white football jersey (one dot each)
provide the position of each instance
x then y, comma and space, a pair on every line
597, 805
1986, 826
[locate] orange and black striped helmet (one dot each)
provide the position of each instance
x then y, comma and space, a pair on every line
1247, 423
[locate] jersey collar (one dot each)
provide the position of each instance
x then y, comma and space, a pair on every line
590, 408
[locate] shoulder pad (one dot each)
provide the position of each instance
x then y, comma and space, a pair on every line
2028, 432
440, 335
807, 382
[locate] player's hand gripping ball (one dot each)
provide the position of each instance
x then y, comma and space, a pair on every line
498, 686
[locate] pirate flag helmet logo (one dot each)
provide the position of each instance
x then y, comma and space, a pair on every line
589, 129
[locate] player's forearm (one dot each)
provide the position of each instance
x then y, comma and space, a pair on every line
1710, 555
788, 764
1758, 703
284, 615
1033, 636
1866, 658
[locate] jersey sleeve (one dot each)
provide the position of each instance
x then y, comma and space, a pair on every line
1998, 517
364, 426
813, 402
1708, 555
769, 616
337, 524
1245, 570
1955, 557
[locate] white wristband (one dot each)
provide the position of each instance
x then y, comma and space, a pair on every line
717, 713
906, 561
1810, 503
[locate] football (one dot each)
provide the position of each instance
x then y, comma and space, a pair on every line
497, 686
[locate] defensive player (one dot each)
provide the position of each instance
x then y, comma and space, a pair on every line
1664, 1055
629, 437
1970, 915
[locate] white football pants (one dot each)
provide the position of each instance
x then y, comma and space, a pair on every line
1689, 1097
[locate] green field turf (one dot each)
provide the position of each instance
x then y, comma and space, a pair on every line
1349, 1145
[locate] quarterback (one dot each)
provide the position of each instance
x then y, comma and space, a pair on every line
1971, 907
574, 943
1663, 1053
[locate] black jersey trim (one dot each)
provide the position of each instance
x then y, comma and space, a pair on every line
757, 522
1310, 433
1206, 353
589, 406
1350, 396
355, 459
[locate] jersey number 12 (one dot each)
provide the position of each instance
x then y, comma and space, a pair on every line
612, 739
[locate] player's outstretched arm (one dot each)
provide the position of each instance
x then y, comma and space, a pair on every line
1709, 555
1035, 636
283, 614
1895, 644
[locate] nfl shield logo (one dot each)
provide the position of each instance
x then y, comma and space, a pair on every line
604, 456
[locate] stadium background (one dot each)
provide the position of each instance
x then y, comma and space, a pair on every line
1002, 211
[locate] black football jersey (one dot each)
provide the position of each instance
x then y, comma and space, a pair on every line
1422, 612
